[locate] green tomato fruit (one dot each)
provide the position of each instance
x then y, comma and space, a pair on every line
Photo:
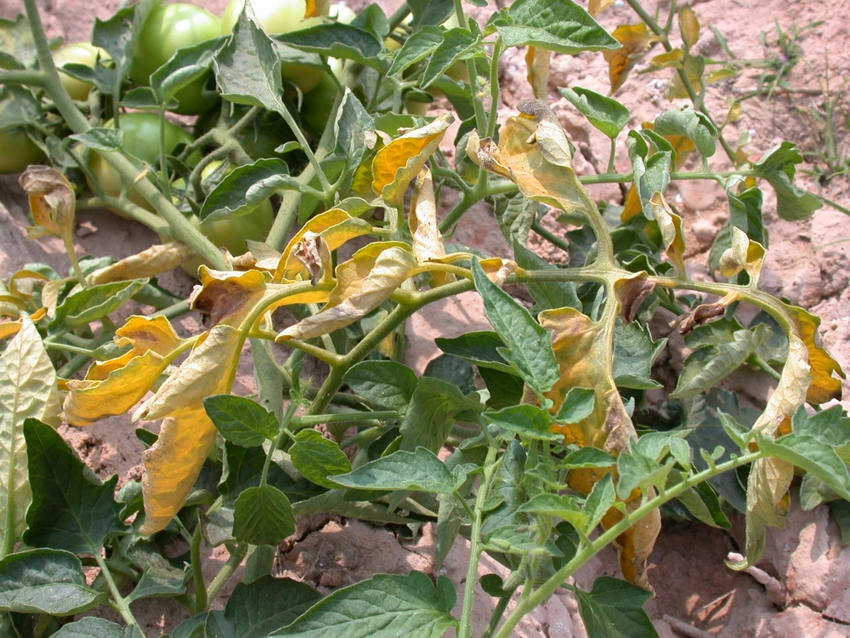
170, 27
17, 150
141, 140
77, 53
280, 16
317, 104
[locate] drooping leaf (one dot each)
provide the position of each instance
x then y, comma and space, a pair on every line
672, 233
417, 471
70, 509
614, 609
27, 390
52, 202
411, 606
159, 577
691, 124
387, 384
245, 187
45, 581
257, 608
150, 262
537, 62
262, 516
814, 456
559, 25
778, 166
526, 343
634, 39
433, 410
422, 221
337, 40
824, 384
708, 365
605, 113
317, 458
241, 420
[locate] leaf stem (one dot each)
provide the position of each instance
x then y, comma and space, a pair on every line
200, 602
119, 602
310, 420
241, 551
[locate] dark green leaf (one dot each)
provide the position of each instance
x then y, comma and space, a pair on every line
18, 108
263, 516
527, 421
433, 410
605, 113
159, 577
352, 122
634, 354
317, 458
813, 456
266, 604
429, 12
578, 404
183, 68
100, 139
337, 40
689, 123
840, 511
118, 36
244, 188
71, 509
549, 294
587, 457
454, 370
505, 389
481, 348
418, 471
708, 365
614, 609
241, 420
410, 606
636, 470
745, 212
516, 214
94, 627
557, 25
417, 47
95, 302
778, 166
456, 42
373, 19
45, 581
529, 346
702, 503
387, 384
599, 501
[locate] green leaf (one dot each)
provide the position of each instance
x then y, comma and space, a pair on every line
456, 42
430, 12
71, 509
352, 122
183, 68
599, 501
778, 166
27, 390
118, 36
556, 25
241, 420
454, 370
527, 421
266, 604
17, 48
588, 457
245, 187
387, 384
548, 294
560, 505
830, 426
529, 346
614, 609
45, 581
634, 354
384, 606
94, 627
505, 389
578, 404
262, 516
840, 511
636, 470
708, 365
481, 348
317, 458
338, 40
702, 503
605, 113
95, 302
433, 410
691, 124
159, 577
417, 471
813, 456
101, 139
417, 47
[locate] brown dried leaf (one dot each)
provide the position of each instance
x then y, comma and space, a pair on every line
631, 293
52, 201
670, 225
227, 297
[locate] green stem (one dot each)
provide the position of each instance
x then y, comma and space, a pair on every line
200, 602
465, 628
134, 211
833, 204
541, 594
551, 237
240, 552
310, 420
283, 432
120, 603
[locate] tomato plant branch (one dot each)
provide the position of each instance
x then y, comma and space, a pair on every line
310, 420
119, 602
238, 553
584, 554
134, 211
199, 603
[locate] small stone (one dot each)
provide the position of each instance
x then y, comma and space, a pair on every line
704, 231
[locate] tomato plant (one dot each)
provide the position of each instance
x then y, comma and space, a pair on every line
539, 442
83, 53
168, 28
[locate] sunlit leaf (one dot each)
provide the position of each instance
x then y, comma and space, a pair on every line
241, 420
537, 63
605, 113
614, 609
387, 384
824, 385
433, 410
85, 305
528, 421
151, 262
262, 516
52, 202
689, 26
634, 39
418, 471
427, 238
742, 254
317, 458
778, 166
595, 7
397, 163
27, 390
672, 233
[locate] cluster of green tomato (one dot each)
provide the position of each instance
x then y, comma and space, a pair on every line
168, 28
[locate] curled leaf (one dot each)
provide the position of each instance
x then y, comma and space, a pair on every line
51, 199
427, 238
151, 262
635, 38
744, 253
227, 297
537, 62
670, 225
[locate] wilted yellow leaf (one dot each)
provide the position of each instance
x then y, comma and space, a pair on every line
537, 61
670, 225
635, 38
824, 386
689, 26
52, 201
363, 283
595, 7
227, 297
151, 262
397, 163
668, 59
744, 253
693, 68
316, 8
427, 238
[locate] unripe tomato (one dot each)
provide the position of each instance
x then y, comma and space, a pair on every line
141, 140
317, 104
17, 150
78, 53
280, 16
170, 27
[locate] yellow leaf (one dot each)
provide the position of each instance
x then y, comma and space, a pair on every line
790, 391
173, 463
228, 297
427, 238
316, 8
148, 333
689, 26
595, 7
670, 225
668, 59
632, 207
537, 61
693, 68
151, 262
52, 201
22, 283
363, 283
824, 386
744, 253
397, 163
635, 38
